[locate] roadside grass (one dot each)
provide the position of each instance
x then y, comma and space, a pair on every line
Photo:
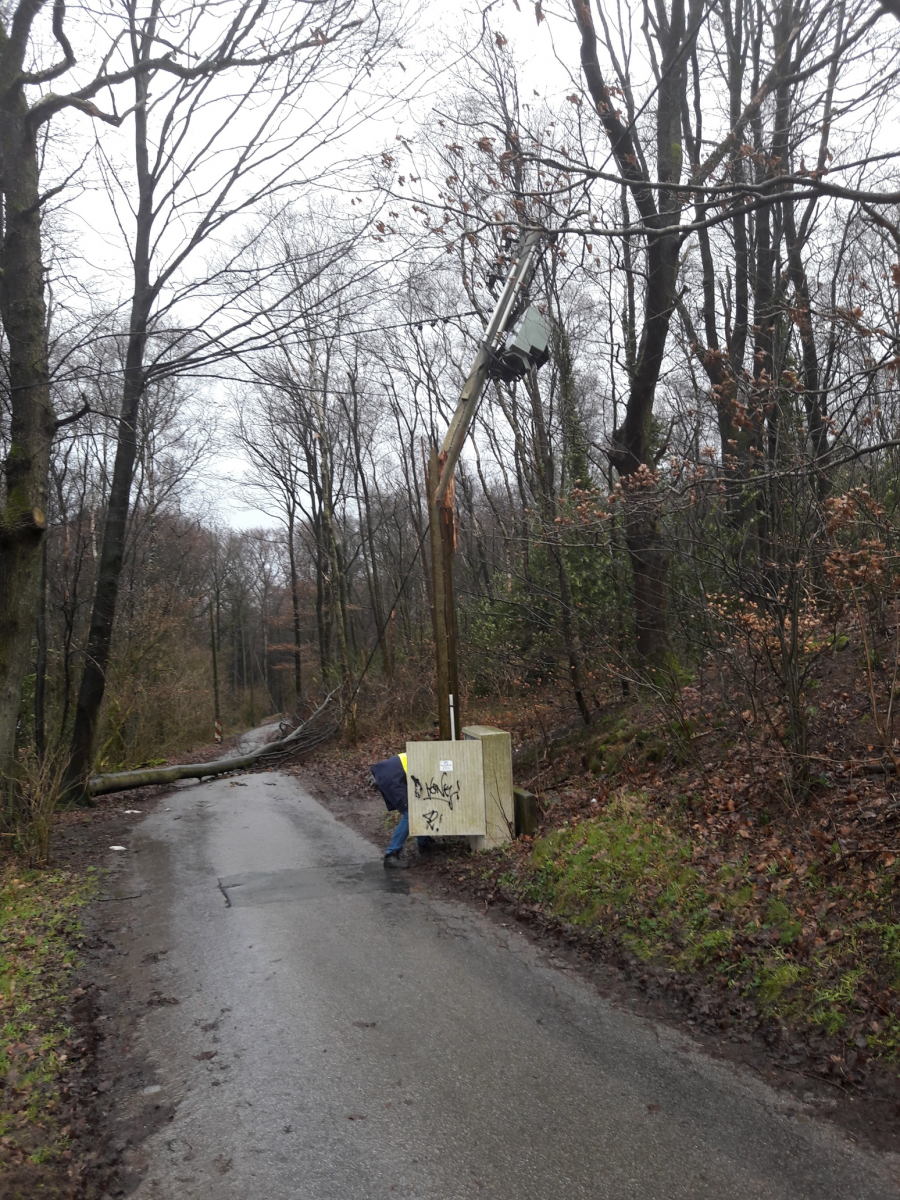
39, 936
780, 934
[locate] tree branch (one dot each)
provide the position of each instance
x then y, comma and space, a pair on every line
60, 68
51, 104
72, 417
619, 135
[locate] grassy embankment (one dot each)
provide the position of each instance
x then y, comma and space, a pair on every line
811, 951
695, 860
39, 936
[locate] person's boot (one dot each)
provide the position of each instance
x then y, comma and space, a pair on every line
393, 862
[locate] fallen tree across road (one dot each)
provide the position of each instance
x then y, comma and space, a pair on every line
311, 733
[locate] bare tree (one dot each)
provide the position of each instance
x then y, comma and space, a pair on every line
180, 140
252, 41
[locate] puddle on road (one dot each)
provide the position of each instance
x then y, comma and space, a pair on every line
309, 883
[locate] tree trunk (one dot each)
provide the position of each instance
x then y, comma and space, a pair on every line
217, 709
40, 667
323, 628
250, 679
338, 590
547, 492
112, 552
342, 627
370, 558
570, 636
313, 732
649, 569
813, 398
32, 420
631, 453
295, 613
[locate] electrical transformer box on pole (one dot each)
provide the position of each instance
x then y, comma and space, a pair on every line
465, 788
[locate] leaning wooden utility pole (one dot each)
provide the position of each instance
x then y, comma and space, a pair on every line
442, 533
510, 355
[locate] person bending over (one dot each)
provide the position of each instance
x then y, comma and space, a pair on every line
390, 779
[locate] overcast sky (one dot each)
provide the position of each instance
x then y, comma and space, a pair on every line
537, 49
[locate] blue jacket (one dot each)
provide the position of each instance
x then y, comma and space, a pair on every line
390, 776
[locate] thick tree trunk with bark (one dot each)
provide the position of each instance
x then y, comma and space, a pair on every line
649, 559
40, 665
32, 420
112, 553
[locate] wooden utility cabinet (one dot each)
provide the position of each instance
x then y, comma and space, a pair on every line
463, 789
499, 815
445, 788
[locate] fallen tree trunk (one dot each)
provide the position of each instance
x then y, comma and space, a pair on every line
304, 737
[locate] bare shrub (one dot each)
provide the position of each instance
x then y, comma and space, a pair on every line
31, 797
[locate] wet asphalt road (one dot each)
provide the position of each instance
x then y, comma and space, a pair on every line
340, 1034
